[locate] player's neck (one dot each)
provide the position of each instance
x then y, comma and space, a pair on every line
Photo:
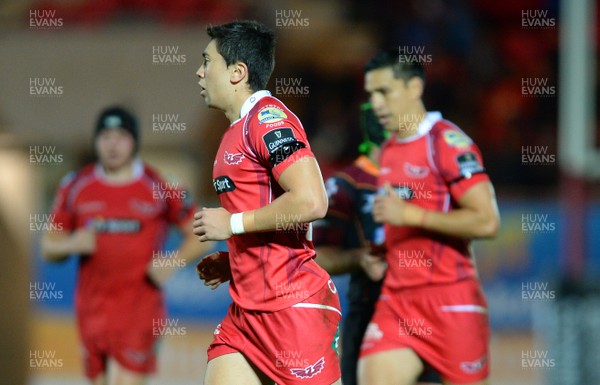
120, 174
409, 126
239, 96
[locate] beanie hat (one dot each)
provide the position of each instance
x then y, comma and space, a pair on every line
117, 117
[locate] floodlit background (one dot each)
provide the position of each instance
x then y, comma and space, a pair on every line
512, 74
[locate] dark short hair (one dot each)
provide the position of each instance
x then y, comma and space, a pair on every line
249, 42
403, 69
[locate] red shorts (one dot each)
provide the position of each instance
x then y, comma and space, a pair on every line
297, 345
134, 351
446, 325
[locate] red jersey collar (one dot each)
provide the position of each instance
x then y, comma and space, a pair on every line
251, 101
137, 168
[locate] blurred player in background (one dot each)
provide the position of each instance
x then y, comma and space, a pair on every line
115, 215
283, 323
343, 236
435, 197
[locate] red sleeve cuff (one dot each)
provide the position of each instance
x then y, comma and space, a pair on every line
458, 189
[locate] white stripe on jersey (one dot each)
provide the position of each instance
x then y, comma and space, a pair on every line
317, 306
464, 309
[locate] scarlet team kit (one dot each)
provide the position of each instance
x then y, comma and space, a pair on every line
431, 300
276, 285
116, 303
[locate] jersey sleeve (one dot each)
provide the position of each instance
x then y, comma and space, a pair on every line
277, 138
459, 161
62, 213
332, 229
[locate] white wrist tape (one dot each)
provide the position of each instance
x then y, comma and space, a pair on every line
237, 223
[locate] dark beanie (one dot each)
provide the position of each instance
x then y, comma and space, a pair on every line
117, 117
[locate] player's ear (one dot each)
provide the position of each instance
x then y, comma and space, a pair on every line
238, 71
415, 87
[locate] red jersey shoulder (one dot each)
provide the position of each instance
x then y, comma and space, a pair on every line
76, 178
68, 188
447, 134
271, 112
159, 183
275, 133
275, 123
152, 173
455, 152
172, 192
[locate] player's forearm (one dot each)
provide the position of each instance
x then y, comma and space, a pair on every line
336, 260
461, 223
191, 249
59, 245
292, 207
57, 248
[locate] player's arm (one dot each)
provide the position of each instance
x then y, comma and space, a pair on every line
476, 216
336, 260
304, 200
58, 245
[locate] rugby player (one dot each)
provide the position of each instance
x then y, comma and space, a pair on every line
435, 198
283, 323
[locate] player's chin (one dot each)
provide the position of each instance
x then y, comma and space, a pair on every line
114, 163
209, 103
207, 98
392, 126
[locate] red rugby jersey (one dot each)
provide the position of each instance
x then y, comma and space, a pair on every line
276, 269
131, 221
433, 169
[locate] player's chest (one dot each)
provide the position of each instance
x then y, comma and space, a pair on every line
234, 164
105, 202
231, 158
410, 169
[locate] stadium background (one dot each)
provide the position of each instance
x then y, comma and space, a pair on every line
144, 54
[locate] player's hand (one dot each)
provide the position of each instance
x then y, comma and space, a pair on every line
374, 266
388, 208
83, 241
393, 210
212, 224
214, 269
